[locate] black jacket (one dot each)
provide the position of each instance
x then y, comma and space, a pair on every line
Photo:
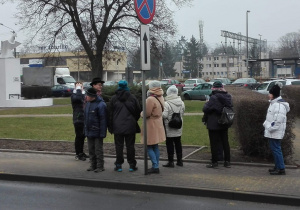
124, 112
213, 109
77, 100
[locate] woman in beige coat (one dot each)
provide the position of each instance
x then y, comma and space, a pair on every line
155, 128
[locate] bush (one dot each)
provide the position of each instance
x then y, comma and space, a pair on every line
250, 112
292, 92
35, 92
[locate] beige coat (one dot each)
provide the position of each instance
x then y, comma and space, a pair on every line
155, 129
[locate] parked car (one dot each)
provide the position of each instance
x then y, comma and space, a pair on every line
266, 86
169, 82
191, 83
110, 83
86, 85
225, 81
292, 81
199, 92
246, 82
62, 90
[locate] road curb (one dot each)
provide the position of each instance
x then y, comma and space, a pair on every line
141, 158
201, 192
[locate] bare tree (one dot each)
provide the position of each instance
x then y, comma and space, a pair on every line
289, 45
92, 25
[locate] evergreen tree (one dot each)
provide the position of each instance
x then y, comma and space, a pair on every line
168, 61
192, 57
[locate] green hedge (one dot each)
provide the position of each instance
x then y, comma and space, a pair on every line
250, 113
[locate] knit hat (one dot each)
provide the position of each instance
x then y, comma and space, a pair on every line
154, 84
91, 92
218, 84
96, 80
275, 90
123, 85
172, 90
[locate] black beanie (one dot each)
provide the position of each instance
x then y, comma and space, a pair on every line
275, 91
217, 84
91, 92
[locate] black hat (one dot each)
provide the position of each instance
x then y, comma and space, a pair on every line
96, 80
92, 92
275, 91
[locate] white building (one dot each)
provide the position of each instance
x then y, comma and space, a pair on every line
232, 67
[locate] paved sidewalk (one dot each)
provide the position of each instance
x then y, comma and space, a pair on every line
247, 183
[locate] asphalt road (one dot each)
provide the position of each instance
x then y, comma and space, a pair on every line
32, 196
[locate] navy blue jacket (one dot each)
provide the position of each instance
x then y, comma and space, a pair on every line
213, 109
95, 118
124, 112
77, 100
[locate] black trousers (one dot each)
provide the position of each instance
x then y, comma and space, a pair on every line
119, 145
218, 139
96, 152
171, 142
79, 138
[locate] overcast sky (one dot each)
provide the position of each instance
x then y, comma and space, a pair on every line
270, 18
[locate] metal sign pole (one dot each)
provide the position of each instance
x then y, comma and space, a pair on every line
144, 94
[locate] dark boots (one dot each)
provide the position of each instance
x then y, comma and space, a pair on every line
169, 164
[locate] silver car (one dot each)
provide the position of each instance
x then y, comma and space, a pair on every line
191, 83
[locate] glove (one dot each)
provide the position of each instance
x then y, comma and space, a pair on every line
273, 123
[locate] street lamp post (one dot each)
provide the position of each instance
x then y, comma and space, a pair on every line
247, 40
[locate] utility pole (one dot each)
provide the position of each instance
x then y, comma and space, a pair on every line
247, 59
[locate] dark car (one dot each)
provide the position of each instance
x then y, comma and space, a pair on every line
62, 90
246, 82
169, 82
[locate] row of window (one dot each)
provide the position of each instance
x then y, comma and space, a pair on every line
218, 65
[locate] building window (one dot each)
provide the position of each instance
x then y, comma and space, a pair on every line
231, 65
218, 73
223, 64
208, 65
216, 58
214, 73
216, 65
222, 73
210, 73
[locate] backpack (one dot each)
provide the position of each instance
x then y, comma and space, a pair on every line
175, 121
227, 116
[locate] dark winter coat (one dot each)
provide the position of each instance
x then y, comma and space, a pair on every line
213, 109
95, 118
77, 100
124, 112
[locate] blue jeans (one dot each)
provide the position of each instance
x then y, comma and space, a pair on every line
153, 153
275, 146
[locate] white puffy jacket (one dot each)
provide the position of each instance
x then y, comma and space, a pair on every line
177, 106
275, 122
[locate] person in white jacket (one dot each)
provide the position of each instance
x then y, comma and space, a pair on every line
275, 125
173, 103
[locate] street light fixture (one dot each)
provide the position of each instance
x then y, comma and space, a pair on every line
247, 39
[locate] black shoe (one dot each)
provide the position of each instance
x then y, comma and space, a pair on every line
179, 163
278, 172
227, 164
133, 168
153, 171
212, 165
169, 165
118, 168
85, 155
80, 157
91, 168
272, 169
100, 169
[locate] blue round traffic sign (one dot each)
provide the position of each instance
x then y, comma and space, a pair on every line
145, 9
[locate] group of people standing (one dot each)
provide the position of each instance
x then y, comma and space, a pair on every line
92, 118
